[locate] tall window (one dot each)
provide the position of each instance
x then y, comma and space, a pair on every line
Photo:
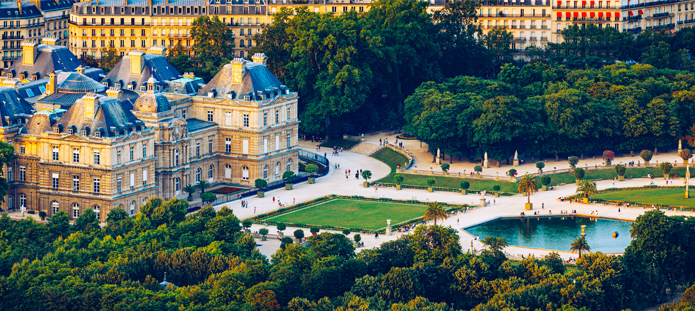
119, 184
265, 119
287, 117
132, 208
96, 185
246, 120
289, 164
75, 155
210, 115
277, 116
228, 119
118, 156
144, 177
55, 207
289, 140
144, 150
22, 200
265, 172
197, 149
76, 183
227, 145
132, 153
227, 171
75, 210
56, 181
22, 173
97, 159
56, 152
277, 169
245, 173
176, 157
211, 169
210, 145
97, 211
197, 175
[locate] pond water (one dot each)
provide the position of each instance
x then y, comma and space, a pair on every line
557, 232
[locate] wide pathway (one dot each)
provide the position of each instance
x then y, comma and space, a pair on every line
336, 183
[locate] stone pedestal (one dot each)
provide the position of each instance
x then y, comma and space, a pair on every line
516, 162
528, 206
486, 164
687, 194
482, 202
388, 227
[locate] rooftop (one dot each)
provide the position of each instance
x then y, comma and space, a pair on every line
54, 58
256, 79
10, 10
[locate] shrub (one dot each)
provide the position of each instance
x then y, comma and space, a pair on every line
685, 154
261, 183
545, 180
430, 182
620, 169
540, 165
399, 179
357, 237
512, 172
579, 173
208, 197
445, 167
282, 227
289, 176
573, 160
42, 214
608, 156
366, 174
496, 187
263, 231
284, 241
247, 223
311, 168
346, 232
478, 168
646, 155
314, 230
299, 234
666, 168
464, 184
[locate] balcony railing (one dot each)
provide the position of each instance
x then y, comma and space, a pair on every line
8, 37
632, 18
500, 14
586, 7
533, 39
661, 15
646, 4
660, 27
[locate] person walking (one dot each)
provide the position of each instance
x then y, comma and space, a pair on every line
254, 209
376, 235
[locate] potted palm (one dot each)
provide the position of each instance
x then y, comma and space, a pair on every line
435, 211
666, 169
399, 180
573, 160
586, 188
464, 184
545, 180
311, 169
579, 245
190, 189
366, 174
260, 185
528, 184
202, 184
288, 177
430, 184
620, 169
579, 174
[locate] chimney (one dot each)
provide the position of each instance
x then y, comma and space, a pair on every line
80, 69
237, 70
49, 41
158, 50
137, 62
115, 93
51, 85
259, 58
19, 5
30, 51
189, 75
90, 105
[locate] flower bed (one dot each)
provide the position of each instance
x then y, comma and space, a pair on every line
406, 136
438, 188
635, 204
226, 190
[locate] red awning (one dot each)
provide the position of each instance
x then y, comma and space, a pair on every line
583, 14
583, 2
559, 14
568, 14
592, 3
600, 14
629, 13
640, 12
559, 3
576, 14
608, 14
592, 14
617, 14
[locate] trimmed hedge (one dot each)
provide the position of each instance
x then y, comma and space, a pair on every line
636, 204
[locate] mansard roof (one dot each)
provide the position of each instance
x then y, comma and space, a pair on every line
110, 117
13, 107
256, 78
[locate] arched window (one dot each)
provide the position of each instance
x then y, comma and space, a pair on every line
55, 207
277, 169
177, 185
211, 170
176, 157
144, 201
245, 173
132, 208
289, 165
23, 201
265, 172
75, 210
97, 211
227, 171
197, 175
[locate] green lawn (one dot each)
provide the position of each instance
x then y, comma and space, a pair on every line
345, 143
356, 214
607, 174
391, 158
674, 197
454, 182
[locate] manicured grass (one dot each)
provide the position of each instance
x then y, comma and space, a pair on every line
352, 214
391, 158
674, 197
607, 174
345, 143
454, 182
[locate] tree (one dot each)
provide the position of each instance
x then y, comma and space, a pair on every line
110, 57
59, 224
462, 53
330, 244
260, 183
357, 238
435, 211
620, 169
346, 232
367, 174
498, 42
540, 166
478, 169
314, 230
445, 167
190, 189
178, 56
281, 227
263, 232
299, 234
275, 43
430, 182
685, 155
288, 176
573, 160
208, 197
311, 169
579, 245
646, 155
496, 188
579, 173
213, 40
87, 221
6, 156
202, 184
586, 187
464, 184
528, 185
666, 168
398, 178
495, 245
42, 215
545, 180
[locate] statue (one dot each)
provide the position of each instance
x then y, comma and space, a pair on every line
439, 161
680, 145
516, 158
486, 162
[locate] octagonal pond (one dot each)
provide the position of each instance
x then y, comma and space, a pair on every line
557, 232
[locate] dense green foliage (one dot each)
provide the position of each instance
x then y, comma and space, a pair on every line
211, 265
543, 110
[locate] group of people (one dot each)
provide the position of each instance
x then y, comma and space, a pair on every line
337, 150
349, 172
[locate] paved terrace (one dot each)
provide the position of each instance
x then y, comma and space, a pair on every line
336, 183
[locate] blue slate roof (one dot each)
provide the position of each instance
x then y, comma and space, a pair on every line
155, 66
52, 5
54, 58
12, 106
195, 124
257, 78
31, 91
75, 82
10, 10
110, 118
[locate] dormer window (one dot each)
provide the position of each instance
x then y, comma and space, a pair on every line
70, 131
83, 133
56, 129
97, 134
